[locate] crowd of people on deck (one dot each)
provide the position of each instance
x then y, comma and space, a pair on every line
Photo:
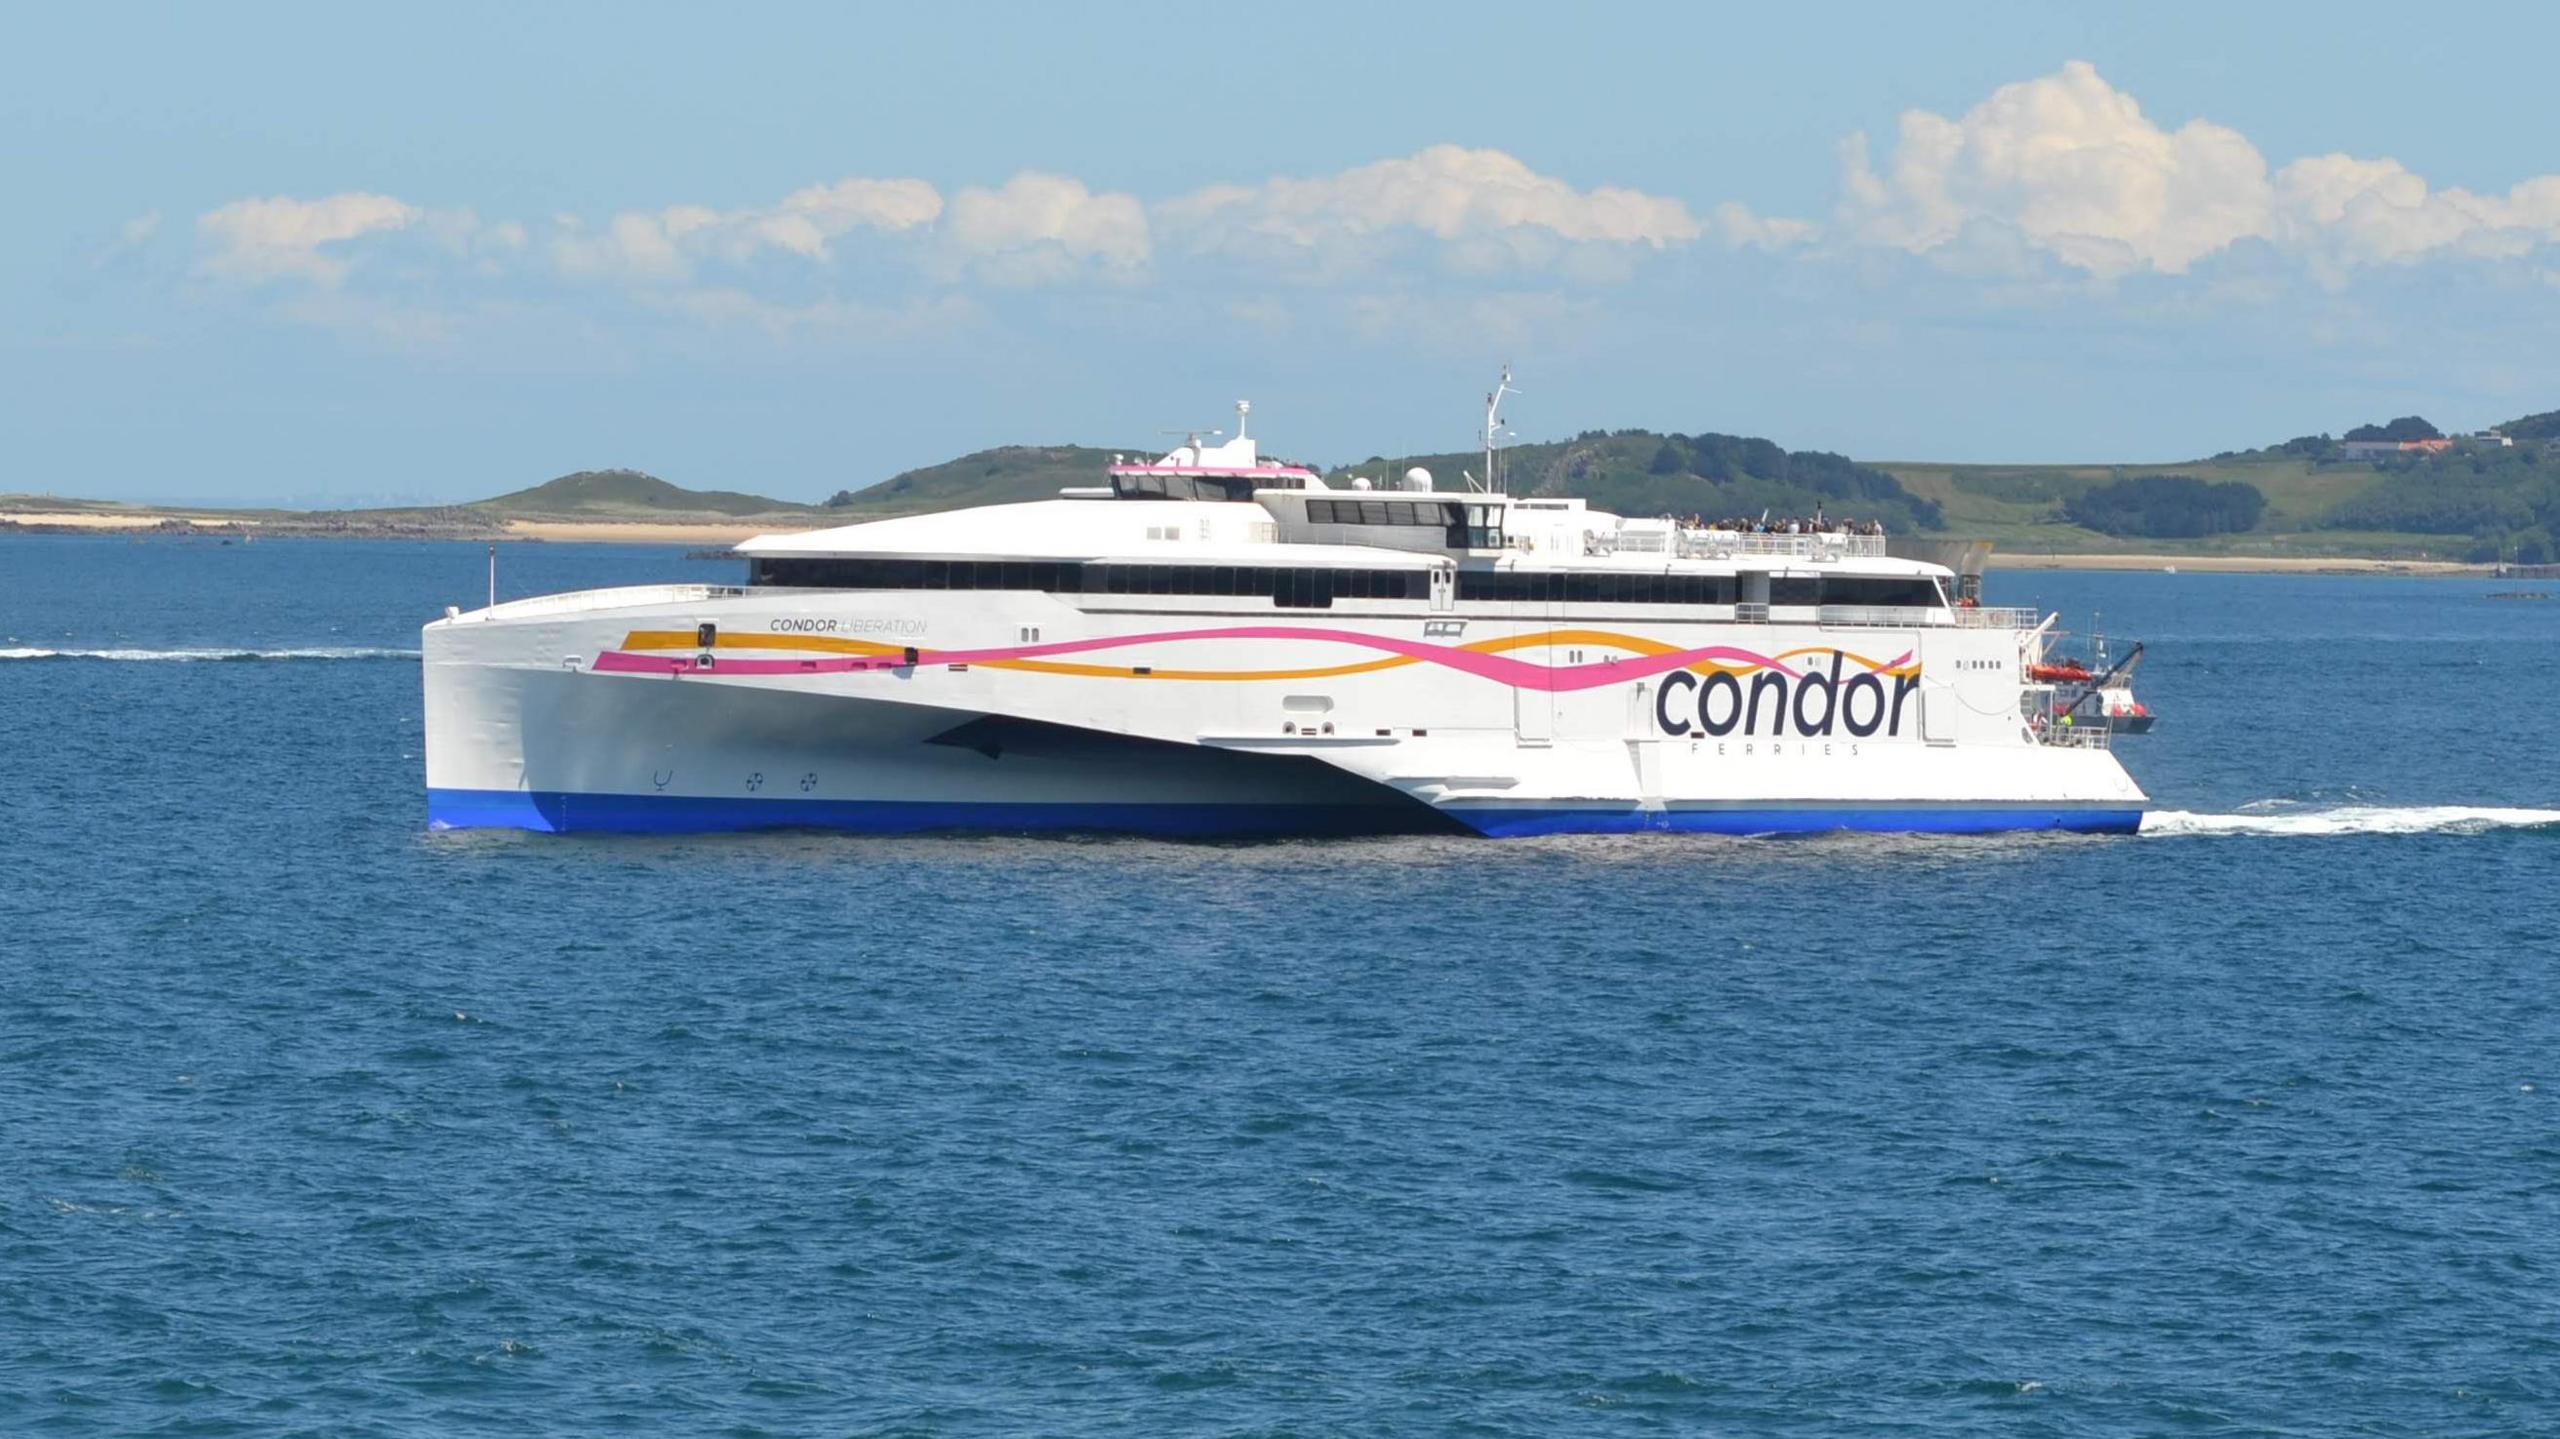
1817, 524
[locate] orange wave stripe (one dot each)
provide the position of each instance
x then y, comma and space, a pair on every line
827, 644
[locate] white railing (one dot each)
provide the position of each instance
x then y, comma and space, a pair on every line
1725, 544
1750, 614
1880, 617
2079, 734
1985, 617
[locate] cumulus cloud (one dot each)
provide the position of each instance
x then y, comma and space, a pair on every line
1038, 228
1487, 208
2073, 167
2346, 211
2067, 168
665, 244
284, 238
1743, 228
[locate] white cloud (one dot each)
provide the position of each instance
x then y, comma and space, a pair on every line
2347, 211
2067, 167
1038, 228
282, 237
665, 244
1489, 210
2073, 166
1744, 228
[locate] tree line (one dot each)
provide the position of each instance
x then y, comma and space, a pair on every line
2167, 507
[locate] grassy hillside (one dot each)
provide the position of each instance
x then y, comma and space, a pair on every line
2462, 505
988, 477
2020, 506
2475, 502
1639, 472
626, 494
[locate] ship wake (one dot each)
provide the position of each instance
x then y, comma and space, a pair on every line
2354, 819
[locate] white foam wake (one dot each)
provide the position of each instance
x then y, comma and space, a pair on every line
2353, 819
323, 652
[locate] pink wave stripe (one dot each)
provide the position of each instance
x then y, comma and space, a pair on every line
1502, 669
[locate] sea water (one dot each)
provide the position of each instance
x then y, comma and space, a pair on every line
312, 1122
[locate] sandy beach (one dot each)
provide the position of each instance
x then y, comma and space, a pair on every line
110, 519
624, 532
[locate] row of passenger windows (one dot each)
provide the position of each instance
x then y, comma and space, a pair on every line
1547, 586
1319, 588
1304, 588
1610, 588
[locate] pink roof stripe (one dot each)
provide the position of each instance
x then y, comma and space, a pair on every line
1290, 471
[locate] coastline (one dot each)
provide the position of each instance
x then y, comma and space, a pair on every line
725, 531
2237, 564
213, 523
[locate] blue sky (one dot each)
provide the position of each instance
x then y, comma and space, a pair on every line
333, 255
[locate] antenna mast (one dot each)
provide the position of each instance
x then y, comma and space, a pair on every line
1493, 432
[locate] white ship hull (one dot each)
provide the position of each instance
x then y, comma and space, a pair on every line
1025, 710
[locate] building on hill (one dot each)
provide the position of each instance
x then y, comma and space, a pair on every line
2385, 449
2488, 440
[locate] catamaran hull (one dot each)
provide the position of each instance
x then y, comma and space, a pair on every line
601, 716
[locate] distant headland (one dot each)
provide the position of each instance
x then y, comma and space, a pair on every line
2400, 494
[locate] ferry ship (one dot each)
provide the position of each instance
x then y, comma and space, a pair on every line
1211, 643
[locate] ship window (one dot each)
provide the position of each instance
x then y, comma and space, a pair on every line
1795, 590
1884, 591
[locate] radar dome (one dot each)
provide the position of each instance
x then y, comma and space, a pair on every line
1418, 480
1359, 482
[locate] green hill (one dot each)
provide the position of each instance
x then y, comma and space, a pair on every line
1640, 472
626, 494
2544, 426
988, 477
2472, 501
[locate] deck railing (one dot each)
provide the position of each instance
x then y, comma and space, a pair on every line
2080, 734
1725, 544
1996, 617
1880, 617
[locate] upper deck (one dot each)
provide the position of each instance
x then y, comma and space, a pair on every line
1221, 520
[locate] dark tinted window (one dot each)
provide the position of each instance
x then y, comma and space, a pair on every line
1908, 591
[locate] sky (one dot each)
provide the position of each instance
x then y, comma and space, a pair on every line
346, 255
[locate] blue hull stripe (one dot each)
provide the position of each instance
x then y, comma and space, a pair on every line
1509, 823
559, 812
553, 811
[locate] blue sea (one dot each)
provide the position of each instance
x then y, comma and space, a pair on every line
315, 1123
